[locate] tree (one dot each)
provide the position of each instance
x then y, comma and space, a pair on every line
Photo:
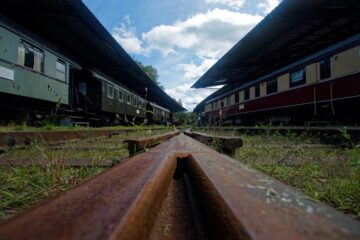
151, 72
180, 102
186, 118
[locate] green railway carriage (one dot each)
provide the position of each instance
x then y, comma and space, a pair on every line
74, 62
35, 78
121, 101
160, 114
30, 70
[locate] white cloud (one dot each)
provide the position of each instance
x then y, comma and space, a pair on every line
268, 5
125, 35
203, 37
236, 4
208, 35
189, 97
192, 71
180, 91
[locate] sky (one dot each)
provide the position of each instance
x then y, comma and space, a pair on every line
182, 39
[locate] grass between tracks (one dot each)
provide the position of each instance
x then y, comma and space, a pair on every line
23, 186
324, 172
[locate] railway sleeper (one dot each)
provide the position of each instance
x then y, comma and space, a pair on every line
11, 139
224, 144
136, 145
181, 189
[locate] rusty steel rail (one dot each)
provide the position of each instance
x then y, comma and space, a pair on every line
224, 144
181, 189
137, 144
27, 137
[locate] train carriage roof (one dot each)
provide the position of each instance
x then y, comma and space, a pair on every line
69, 25
292, 31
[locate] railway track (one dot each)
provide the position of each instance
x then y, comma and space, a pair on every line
262, 129
122, 145
180, 189
329, 134
224, 144
21, 138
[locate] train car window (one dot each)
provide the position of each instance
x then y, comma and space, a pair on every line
247, 93
31, 57
82, 88
110, 91
325, 69
60, 70
297, 78
257, 91
216, 105
228, 101
237, 99
222, 103
134, 101
128, 99
120, 96
271, 86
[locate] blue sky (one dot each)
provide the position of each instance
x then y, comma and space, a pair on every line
181, 39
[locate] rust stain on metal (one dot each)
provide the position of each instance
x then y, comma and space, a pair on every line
140, 199
120, 202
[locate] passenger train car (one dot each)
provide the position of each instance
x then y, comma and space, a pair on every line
299, 64
36, 79
324, 86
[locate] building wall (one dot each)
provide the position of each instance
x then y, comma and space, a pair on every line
345, 62
262, 89
232, 99
241, 96
283, 82
311, 73
252, 92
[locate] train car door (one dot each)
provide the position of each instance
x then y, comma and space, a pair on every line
323, 101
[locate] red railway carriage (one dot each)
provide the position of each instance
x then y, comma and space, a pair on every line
294, 66
325, 86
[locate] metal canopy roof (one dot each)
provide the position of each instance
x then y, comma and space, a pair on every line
295, 29
69, 25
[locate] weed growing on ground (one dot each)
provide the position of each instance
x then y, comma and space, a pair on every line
22, 187
327, 173
338, 186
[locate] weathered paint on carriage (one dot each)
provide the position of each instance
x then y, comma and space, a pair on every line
19, 80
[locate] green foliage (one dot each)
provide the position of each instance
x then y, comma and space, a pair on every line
186, 118
151, 72
326, 173
339, 188
180, 102
22, 187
